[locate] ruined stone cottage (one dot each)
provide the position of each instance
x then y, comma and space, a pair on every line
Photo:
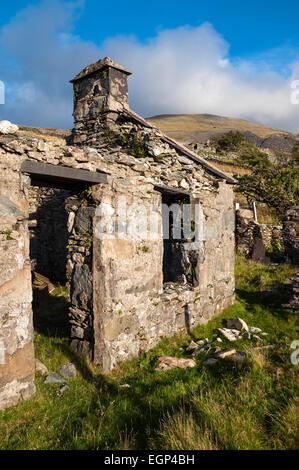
65, 213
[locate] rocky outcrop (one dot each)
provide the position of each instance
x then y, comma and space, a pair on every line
6, 127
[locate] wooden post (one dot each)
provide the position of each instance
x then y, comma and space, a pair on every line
254, 211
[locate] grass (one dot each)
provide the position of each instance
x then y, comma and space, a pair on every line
222, 407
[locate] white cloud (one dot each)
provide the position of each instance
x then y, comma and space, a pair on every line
184, 70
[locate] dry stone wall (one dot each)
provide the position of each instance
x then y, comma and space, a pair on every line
16, 330
119, 304
80, 274
139, 271
278, 240
291, 234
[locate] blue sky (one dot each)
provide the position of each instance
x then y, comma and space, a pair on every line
222, 57
250, 27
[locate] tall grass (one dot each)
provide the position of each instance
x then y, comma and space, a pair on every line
253, 406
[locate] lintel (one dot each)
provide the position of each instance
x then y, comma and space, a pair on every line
163, 188
60, 175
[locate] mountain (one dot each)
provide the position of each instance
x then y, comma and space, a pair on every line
198, 131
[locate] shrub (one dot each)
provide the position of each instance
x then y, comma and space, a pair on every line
269, 183
229, 142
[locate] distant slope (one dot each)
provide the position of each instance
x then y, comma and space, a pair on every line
46, 133
192, 129
193, 124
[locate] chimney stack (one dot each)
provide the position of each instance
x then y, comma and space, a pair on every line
99, 89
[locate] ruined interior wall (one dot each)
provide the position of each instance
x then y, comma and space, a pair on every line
80, 274
48, 232
17, 364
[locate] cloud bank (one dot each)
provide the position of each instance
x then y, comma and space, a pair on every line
184, 70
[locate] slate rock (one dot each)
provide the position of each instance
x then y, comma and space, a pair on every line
203, 341
9, 208
201, 350
68, 370
192, 346
229, 333
258, 251
53, 378
226, 353
214, 350
254, 329
237, 323
173, 362
83, 220
40, 367
81, 290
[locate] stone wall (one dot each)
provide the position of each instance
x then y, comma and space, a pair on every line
137, 309
80, 274
48, 232
282, 241
119, 304
251, 235
17, 364
292, 288
291, 234
137, 177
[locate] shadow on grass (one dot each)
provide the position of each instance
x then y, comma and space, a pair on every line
153, 395
271, 298
50, 314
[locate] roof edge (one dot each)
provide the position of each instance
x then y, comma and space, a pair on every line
181, 148
99, 65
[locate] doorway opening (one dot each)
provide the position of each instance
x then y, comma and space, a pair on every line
61, 242
178, 262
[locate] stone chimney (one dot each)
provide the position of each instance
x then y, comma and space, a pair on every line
99, 90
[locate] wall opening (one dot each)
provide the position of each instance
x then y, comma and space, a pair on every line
178, 263
61, 239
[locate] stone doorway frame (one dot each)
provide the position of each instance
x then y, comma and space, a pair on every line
62, 177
